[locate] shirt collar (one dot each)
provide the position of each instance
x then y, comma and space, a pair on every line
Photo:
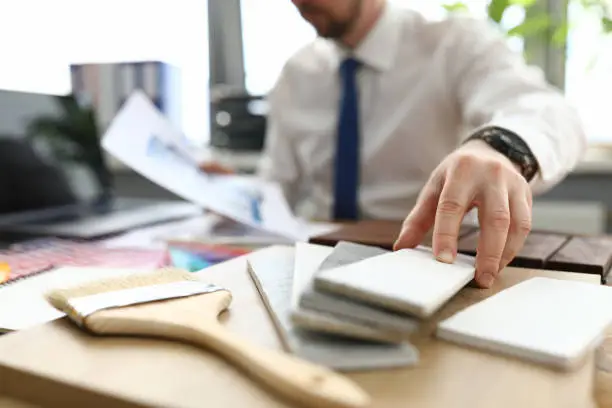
379, 47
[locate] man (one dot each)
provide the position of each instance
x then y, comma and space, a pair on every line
387, 112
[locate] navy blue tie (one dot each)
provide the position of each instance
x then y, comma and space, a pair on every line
346, 177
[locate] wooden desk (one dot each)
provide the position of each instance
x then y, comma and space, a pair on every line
13, 403
370, 232
55, 365
542, 250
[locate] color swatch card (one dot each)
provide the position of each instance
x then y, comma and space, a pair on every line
24, 305
407, 281
542, 320
26, 259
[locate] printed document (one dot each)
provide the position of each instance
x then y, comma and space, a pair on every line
143, 139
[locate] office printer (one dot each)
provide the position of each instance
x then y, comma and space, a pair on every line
238, 120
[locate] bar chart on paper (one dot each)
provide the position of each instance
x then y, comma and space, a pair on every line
142, 138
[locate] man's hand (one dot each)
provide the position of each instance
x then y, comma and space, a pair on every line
475, 175
215, 168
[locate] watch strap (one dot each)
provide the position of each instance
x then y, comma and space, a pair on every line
510, 145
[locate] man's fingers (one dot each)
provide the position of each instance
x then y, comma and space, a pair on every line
455, 199
215, 168
419, 221
520, 226
494, 219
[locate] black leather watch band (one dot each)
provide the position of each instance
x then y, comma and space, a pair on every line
510, 145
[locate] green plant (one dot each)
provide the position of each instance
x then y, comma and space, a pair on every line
74, 137
539, 22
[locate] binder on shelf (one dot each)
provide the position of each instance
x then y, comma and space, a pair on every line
108, 85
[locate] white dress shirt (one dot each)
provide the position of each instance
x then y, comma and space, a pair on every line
423, 88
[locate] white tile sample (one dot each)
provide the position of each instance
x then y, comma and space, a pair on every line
543, 320
407, 281
326, 313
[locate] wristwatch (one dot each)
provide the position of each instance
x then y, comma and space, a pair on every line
510, 145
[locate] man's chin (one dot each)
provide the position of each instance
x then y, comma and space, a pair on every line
322, 30
325, 34
333, 32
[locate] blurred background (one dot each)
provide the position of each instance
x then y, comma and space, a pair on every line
208, 65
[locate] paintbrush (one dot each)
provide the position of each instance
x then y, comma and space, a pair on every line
173, 304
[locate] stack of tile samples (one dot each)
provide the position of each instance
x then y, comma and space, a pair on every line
373, 294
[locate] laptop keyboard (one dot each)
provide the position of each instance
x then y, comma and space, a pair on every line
122, 204
124, 219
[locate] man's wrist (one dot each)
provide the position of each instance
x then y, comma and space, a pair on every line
510, 145
481, 144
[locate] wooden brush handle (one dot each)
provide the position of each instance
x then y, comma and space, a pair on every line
297, 379
194, 320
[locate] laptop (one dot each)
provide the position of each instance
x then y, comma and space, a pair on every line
43, 195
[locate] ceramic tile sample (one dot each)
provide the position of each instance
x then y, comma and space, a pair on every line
390, 325
324, 323
308, 258
345, 253
408, 281
327, 313
549, 321
274, 281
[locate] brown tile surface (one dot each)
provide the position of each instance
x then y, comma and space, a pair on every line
376, 233
464, 231
468, 243
542, 250
585, 255
538, 247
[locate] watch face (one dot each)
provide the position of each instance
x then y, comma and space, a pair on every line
504, 138
513, 147
513, 144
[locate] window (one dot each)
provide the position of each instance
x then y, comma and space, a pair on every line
47, 36
273, 30
436, 10
588, 80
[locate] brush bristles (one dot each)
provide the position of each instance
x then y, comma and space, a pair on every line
60, 298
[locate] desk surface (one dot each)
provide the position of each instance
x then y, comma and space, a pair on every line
13, 403
57, 365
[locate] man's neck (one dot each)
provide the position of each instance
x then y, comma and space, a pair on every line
370, 13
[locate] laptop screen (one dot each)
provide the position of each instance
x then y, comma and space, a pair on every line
57, 132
